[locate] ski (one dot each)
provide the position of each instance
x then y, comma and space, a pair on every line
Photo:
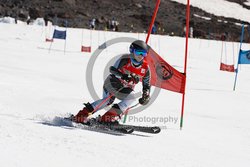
127, 128
109, 126
95, 125
145, 129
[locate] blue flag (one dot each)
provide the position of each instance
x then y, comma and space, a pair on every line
244, 57
59, 34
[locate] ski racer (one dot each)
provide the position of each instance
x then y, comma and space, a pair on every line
128, 70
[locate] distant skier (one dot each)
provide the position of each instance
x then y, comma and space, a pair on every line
92, 24
125, 74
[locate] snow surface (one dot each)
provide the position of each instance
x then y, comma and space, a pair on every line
222, 8
247, 3
37, 85
206, 18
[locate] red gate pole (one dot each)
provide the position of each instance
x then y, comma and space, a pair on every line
153, 19
185, 64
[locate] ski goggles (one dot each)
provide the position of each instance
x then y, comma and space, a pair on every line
140, 52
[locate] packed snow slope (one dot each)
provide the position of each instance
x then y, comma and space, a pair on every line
36, 85
222, 8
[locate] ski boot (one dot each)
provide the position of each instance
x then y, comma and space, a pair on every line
112, 116
82, 115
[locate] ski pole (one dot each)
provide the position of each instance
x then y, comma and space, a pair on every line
107, 98
127, 110
99, 105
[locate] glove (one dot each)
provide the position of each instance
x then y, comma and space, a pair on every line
135, 78
145, 97
129, 78
126, 77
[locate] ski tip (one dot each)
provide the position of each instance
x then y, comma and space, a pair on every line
156, 130
127, 131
